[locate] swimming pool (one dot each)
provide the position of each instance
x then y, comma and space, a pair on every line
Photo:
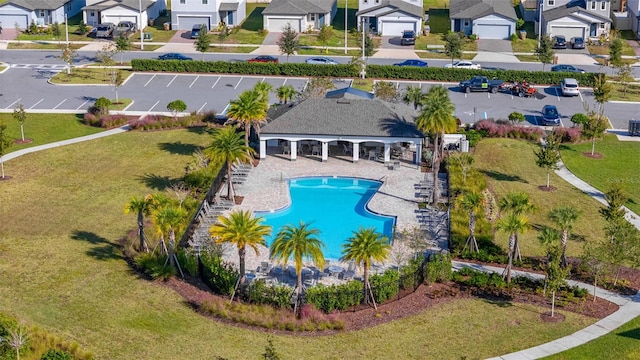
334, 205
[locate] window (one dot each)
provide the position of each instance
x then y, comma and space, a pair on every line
603, 6
601, 25
92, 13
466, 22
377, 1
593, 5
41, 13
312, 17
551, 2
183, 2
205, 2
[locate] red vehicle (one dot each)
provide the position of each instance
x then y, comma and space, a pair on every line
264, 59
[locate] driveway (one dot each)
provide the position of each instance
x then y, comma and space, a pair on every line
271, 38
393, 42
8, 33
494, 45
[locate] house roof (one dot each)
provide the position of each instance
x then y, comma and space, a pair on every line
342, 116
475, 9
396, 5
39, 4
228, 6
298, 7
349, 93
562, 11
108, 4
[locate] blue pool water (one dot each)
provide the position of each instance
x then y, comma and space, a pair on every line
335, 206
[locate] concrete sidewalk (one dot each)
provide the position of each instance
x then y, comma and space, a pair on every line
629, 308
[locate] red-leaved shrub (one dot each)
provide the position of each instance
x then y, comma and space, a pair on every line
492, 129
570, 135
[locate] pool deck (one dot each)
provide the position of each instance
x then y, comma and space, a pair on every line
265, 189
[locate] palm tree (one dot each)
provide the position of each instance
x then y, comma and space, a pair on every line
297, 242
263, 88
227, 147
413, 95
518, 204
248, 110
286, 93
471, 202
512, 225
363, 248
243, 230
564, 217
168, 221
436, 118
143, 207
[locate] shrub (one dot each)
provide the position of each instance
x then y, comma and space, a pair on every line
258, 292
385, 286
570, 135
102, 105
335, 297
473, 37
438, 269
493, 129
516, 117
54, 354
188, 261
154, 266
220, 276
514, 37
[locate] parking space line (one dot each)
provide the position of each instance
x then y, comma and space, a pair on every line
235, 87
580, 94
201, 107
34, 105
263, 79
215, 83
174, 77
154, 105
11, 105
561, 124
397, 83
307, 83
285, 81
81, 105
148, 81
557, 93
59, 104
194, 81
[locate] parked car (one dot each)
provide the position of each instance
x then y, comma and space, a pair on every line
570, 87
125, 28
321, 61
550, 115
567, 68
174, 56
480, 83
412, 62
577, 43
264, 59
408, 37
105, 30
559, 42
195, 31
463, 65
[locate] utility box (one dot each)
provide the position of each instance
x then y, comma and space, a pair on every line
634, 127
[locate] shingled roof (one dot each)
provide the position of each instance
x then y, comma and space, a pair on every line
298, 7
39, 4
108, 4
576, 11
395, 5
475, 9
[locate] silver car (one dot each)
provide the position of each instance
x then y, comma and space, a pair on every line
569, 87
321, 60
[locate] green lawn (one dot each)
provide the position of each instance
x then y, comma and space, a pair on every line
69, 278
232, 49
524, 46
622, 343
441, 55
509, 165
329, 52
439, 20
47, 128
254, 22
620, 163
632, 92
337, 39
42, 46
243, 36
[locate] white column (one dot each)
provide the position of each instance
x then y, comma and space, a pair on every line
325, 151
263, 149
418, 153
356, 152
387, 153
294, 150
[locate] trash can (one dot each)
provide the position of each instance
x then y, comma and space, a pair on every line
167, 26
523, 35
151, 20
426, 30
464, 146
555, 59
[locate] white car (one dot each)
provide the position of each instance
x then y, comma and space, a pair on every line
463, 65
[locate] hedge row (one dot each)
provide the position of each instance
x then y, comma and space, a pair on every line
343, 70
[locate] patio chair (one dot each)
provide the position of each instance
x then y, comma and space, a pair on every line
346, 150
265, 267
372, 155
286, 150
315, 150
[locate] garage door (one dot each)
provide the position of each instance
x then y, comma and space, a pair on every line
492, 31
117, 19
567, 31
187, 22
278, 24
393, 28
9, 21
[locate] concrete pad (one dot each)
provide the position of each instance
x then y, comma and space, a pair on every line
623, 134
395, 54
267, 50
576, 59
96, 45
177, 47
496, 57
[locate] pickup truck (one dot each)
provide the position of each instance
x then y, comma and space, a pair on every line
124, 28
481, 83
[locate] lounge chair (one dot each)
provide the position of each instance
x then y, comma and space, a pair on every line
346, 150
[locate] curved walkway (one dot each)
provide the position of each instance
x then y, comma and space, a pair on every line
629, 308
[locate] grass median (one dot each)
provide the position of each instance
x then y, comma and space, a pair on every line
88, 76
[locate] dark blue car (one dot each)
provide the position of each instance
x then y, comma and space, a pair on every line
550, 115
418, 63
174, 56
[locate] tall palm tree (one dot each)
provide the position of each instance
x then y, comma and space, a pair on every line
516, 203
243, 230
227, 147
436, 118
513, 224
564, 217
248, 110
170, 220
286, 93
365, 246
471, 202
413, 95
142, 206
297, 242
263, 88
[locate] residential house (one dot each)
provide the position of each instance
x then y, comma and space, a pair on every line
302, 15
576, 18
488, 19
114, 11
187, 13
391, 17
22, 13
633, 11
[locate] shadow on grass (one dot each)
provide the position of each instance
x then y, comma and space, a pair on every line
498, 303
157, 182
502, 176
102, 249
178, 148
633, 334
